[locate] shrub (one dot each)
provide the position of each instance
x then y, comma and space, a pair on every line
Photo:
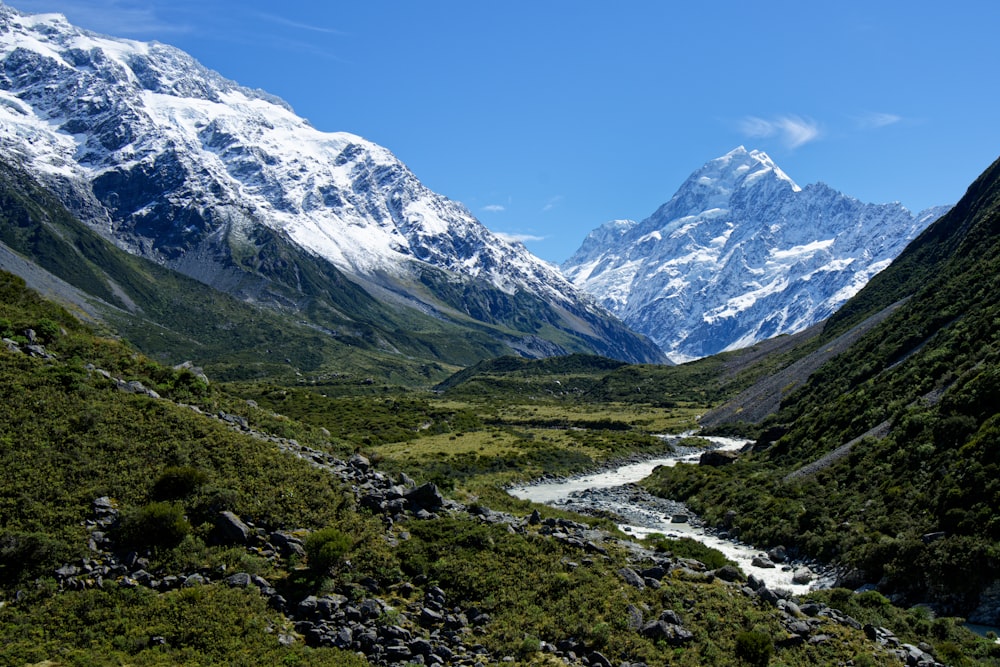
326, 548
754, 648
176, 482
26, 554
157, 524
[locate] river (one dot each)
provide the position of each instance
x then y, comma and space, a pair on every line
613, 491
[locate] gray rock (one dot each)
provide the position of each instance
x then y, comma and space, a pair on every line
674, 635
230, 529
631, 577
194, 580
800, 628
802, 576
729, 573
426, 496
67, 571
767, 595
287, 543
238, 580
360, 462
670, 616
597, 659
421, 646
430, 617
778, 554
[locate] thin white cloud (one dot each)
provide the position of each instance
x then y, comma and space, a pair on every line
874, 120
494, 208
793, 131
115, 17
552, 203
298, 25
518, 238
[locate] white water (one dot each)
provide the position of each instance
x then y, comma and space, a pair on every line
551, 493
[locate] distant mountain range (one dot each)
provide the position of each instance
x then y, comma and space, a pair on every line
175, 163
740, 254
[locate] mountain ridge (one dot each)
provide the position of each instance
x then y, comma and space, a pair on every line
178, 164
740, 253
884, 456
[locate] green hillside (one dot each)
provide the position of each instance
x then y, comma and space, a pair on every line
122, 482
305, 319
887, 460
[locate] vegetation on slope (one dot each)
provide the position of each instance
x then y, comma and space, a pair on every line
888, 457
72, 435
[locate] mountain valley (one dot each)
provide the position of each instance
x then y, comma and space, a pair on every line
266, 398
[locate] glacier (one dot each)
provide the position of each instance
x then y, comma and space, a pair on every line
176, 163
739, 254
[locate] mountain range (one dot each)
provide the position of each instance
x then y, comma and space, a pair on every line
739, 254
176, 164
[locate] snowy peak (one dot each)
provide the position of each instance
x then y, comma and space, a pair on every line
740, 253
183, 166
739, 168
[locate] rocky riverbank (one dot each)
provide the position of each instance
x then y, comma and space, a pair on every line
413, 621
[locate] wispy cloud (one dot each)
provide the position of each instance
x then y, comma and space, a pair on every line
116, 17
793, 131
298, 25
874, 120
552, 203
494, 208
518, 238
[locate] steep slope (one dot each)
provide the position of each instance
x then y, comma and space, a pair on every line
229, 186
739, 254
175, 318
887, 458
189, 526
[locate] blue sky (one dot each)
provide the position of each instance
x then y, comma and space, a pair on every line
549, 117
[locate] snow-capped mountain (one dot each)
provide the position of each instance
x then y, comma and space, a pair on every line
740, 254
178, 164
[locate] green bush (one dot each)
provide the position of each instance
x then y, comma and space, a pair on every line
27, 554
754, 648
161, 525
326, 548
176, 482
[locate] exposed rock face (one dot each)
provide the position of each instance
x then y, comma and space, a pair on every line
229, 186
739, 254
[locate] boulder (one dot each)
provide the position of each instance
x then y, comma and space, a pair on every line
778, 554
631, 577
670, 616
673, 635
238, 580
359, 462
802, 576
597, 659
230, 529
426, 497
194, 580
729, 573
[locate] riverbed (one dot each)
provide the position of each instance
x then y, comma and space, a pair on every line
613, 492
